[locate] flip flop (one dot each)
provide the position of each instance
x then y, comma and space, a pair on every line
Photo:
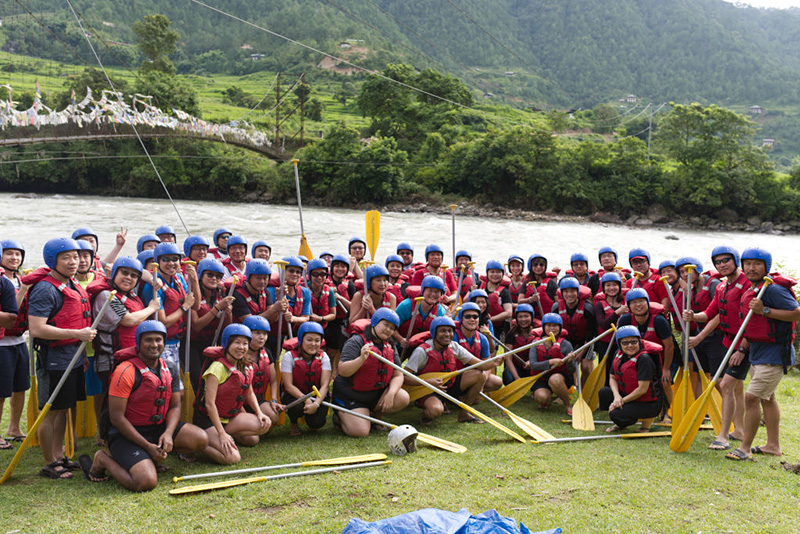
86, 466
18, 439
733, 438
758, 450
5, 445
738, 456
719, 446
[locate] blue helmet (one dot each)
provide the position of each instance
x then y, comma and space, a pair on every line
129, 263
220, 231
292, 261
433, 247
494, 264
315, 264
356, 239
666, 263
256, 323
148, 326
210, 264
514, 257
628, 331
84, 231
579, 256
146, 256
463, 253
688, 260
11, 244
404, 246
233, 330
341, 258
603, 250
257, 266
724, 249
260, 243
165, 230
441, 321
303, 259
309, 327
325, 253
393, 257
373, 271
536, 256
757, 253
236, 240
471, 306
384, 314
85, 245
432, 282
146, 238
526, 308
637, 293
194, 241
475, 293
166, 249
56, 246
638, 252
611, 277
569, 282
552, 318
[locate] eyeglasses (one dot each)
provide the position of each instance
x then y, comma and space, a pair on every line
170, 259
129, 274
539, 264
470, 316
629, 342
356, 247
218, 276
318, 275
724, 260
294, 271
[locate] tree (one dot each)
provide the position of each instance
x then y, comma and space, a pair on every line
606, 118
169, 91
94, 79
156, 40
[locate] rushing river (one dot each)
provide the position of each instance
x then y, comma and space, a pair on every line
34, 221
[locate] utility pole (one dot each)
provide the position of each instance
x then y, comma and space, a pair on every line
302, 109
278, 110
649, 131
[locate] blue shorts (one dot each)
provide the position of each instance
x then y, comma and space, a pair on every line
14, 371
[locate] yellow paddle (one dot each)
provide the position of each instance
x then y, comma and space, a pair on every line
425, 438
582, 418
680, 401
452, 399
305, 249
636, 435
32, 428
373, 231
69, 436
683, 435
33, 395
596, 380
187, 407
534, 431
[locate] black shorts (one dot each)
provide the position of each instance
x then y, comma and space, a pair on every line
454, 391
357, 399
739, 372
711, 352
126, 453
542, 382
14, 371
335, 335
73, 390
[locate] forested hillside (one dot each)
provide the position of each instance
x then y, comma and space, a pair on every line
564, 54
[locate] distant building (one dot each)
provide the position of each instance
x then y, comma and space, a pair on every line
631, 99
345, 46
246, 46
488, 95
768, 142
256, 57
510, 73
756, 110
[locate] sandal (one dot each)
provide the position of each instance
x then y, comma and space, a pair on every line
759, 450
613, 428
738, 456
55, 471
717, 445
86, 466
18, 439
69, 464
5, 445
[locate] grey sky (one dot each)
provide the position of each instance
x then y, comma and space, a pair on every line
783, 4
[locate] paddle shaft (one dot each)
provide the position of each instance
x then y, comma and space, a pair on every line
281, 266
418, 300
220, 314
453, 217
608, 436
682, 323
32, 428
298, 401
299, 202
538, 301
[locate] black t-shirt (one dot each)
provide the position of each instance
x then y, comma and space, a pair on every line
240, 307
660, 323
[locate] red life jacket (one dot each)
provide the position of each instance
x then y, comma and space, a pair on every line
623, 272
173, 299
577, 324
148, 402
214, 252
589, 274
228, 263
467, 282
396, 290
232, 393
601, 302
515, 289
471, 344
650, 334
206, 334
319, 304
299, 299
123, 336
438, 362
261, 371
21, 324
421, 324
554, 352
306, 374
762, 329
256, 304
625, 372
75, 312
374, 375
340, 289
650, 284
541, 289
729, 296
495, 305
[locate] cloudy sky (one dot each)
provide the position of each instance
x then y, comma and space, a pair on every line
770, 3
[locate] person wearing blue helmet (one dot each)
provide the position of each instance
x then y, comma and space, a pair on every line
609, 306
768, 340
176, 299
394, 264
517, 336
225, 388
304, 367
250, 295
142, 424
323, 298
406, 251
297, 297
147, 242
469, 278
495, 283
417, 314
722, 314
264, 368
262, 250
576, 310
551, 356
516, 275
579, 269
357, 248
541, 285
434, 256
363, 383
195, 248
634, 392
468, 334
219, 243
87, 273
327, 256
236, 262
343, 290
166, 234
440, 354
59, 317
645, 277
609, 262
90, 235
14, 357
481, 298
374, 296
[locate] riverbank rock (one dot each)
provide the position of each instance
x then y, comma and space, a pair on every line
657, 214
26, 195
728, 215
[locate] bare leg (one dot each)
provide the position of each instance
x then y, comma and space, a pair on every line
51, 435
739, 408
543, 396
190, 439
354, 426
772, 418
558, 386
17, 403
473, 382
433, 408
141, 477
493, 382
214, 449
586, 369
401, 400
752, 420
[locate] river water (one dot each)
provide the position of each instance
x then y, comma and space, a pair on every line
34, 221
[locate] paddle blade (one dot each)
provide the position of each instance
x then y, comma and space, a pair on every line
683, 435
529, 428
416, 392
69, 437
681, 398
659, 434
25, 444
373, 220
511, 393
305, 249
492, 422
215, 485
348, 460
187, 408
433, 441
582, 418
595, 381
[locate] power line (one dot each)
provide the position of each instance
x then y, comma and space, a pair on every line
71, 48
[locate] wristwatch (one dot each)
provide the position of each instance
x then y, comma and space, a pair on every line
766, 311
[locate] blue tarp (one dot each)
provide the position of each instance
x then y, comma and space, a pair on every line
433, 521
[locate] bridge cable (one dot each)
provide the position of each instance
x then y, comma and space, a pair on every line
135, 130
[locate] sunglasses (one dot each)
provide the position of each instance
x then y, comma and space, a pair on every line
628, 342
129, 274
722, 261
318, 275
170, 259
294, 271
470, 316
218, 276
539, 264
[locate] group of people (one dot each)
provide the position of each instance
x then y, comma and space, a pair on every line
254, 338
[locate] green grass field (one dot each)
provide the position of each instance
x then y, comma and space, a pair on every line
596, 486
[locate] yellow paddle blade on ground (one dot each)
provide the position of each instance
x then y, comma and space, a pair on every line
715, 407
534, 431
33, 409
441, 443
683, 435
582, 418
492, 422
511, 393
373, 220
69, 437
